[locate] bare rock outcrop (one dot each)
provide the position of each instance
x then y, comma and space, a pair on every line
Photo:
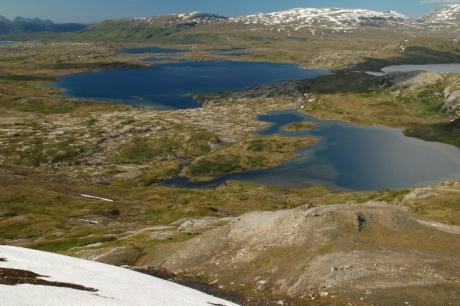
452, 100
123, 255
334, 248
412, 80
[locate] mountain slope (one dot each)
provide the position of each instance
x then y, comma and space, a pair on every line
444, 20
306, 19
6, 26
29, 277
31, 25
148, 27
190, 19
299, 20
441, 19
335, 19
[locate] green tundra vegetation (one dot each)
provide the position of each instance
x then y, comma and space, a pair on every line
54, 148
298, 126
261, 152
48, 139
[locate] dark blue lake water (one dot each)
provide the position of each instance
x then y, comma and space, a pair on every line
350, 157
168, 86
347, 157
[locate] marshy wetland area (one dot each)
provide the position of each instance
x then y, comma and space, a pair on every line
121, 178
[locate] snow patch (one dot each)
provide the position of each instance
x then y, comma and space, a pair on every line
336, 19
446, 17
193, 18
95, 198
114, 285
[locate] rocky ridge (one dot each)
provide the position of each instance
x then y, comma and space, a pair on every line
323, 251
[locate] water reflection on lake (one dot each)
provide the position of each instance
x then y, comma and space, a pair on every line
168, 86
350, 157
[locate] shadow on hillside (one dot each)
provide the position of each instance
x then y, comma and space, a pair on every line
412, 55
95, 66
18, 77
356, 80
343, 81
448, 132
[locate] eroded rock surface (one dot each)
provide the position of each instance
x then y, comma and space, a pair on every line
413, 80
343, 249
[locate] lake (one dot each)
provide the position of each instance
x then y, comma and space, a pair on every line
440, 68
168, 86
350, 157
347, 157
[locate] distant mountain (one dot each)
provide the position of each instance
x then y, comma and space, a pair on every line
29, 25
300, 19
36, 21
6, 26
149, 27
334, 19
3, 19
445, 18
190, 19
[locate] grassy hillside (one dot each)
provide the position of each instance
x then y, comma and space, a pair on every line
129, 30
54, 149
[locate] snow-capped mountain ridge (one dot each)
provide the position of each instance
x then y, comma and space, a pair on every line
328, 18
446, 17
194, 18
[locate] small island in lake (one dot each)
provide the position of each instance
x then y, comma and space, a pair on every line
298, 126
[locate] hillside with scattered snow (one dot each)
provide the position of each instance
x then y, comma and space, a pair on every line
443, 18
29, 277
193, 18
329, 18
